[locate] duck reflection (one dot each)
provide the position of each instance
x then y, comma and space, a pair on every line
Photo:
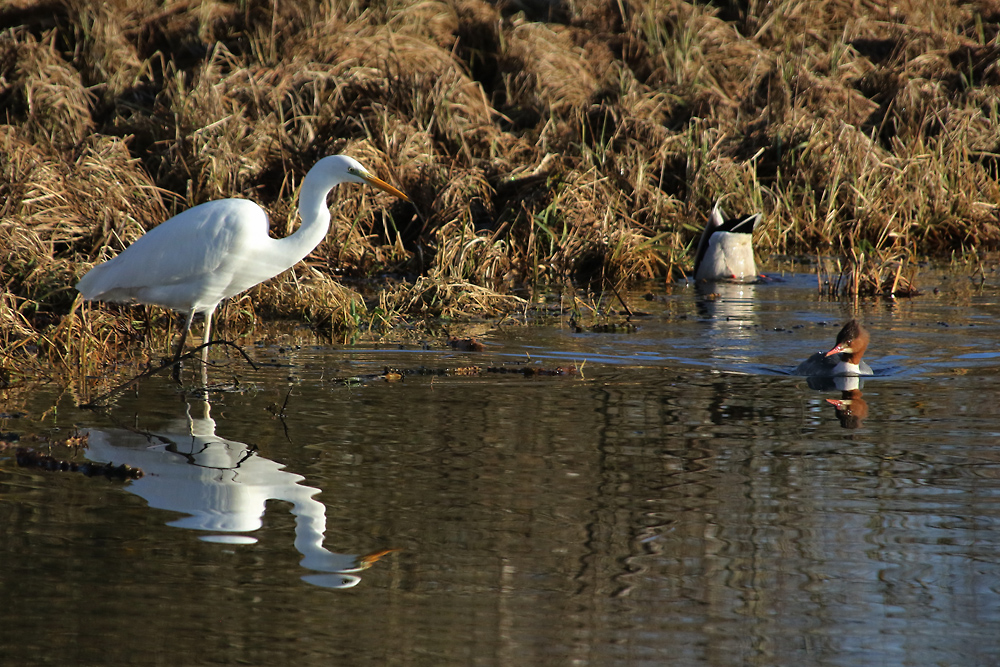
730, 309
851, 408
838, 383
223, 486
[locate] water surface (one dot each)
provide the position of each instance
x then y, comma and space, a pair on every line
678, 500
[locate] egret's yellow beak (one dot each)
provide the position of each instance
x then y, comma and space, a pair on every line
382, 185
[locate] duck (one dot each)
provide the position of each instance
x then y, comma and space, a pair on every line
843, 359
725, 250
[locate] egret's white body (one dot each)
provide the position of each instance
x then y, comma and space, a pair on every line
216, 250
725, 250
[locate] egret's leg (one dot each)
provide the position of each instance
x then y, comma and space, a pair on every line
208, 335
184, 335
204, 350
180, 345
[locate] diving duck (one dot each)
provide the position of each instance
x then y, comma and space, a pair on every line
725, 250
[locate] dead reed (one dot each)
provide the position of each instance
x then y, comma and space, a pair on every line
568, 143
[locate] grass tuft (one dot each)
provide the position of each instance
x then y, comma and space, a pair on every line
542, 145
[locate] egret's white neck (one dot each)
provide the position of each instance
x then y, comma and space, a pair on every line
315, 220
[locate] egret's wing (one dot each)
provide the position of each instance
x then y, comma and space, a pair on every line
182, 262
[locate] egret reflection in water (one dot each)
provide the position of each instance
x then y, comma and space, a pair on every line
222, 487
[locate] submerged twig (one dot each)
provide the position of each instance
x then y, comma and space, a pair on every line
628, 310
100, 400
281, 412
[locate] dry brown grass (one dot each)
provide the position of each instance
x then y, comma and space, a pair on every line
541, 143
888, 274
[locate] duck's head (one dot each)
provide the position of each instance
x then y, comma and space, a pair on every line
852, 341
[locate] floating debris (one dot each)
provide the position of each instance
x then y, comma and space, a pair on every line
611, 327
75, 441
466, 344
398, 374
392, 375
530, 371
29, 458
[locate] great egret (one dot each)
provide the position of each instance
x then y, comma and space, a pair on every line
725, 250
218, 249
